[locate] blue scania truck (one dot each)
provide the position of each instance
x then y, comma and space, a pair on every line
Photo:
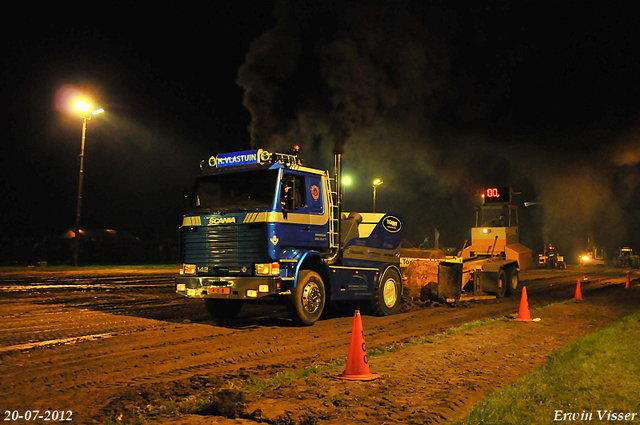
260, 224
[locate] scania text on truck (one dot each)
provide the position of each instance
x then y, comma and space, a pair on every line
260, 224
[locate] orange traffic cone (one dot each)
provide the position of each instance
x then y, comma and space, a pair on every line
357, 362
523, 313
628, 285
578, 295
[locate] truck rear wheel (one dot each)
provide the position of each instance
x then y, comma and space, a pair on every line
307, 299
223, 309
387, 298
513, 281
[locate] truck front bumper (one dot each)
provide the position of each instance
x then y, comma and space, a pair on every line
241, 287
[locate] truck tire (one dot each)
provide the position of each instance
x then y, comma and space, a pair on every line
307, 299
388, 295
223, 309
513, 281
503, 283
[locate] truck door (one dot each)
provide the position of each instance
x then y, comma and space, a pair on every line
303, 211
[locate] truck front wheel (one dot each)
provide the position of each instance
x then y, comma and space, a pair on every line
223, 309
387, 298
307, 299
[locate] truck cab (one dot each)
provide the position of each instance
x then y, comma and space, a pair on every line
260, 224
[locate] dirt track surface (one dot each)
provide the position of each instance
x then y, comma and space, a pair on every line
107, 346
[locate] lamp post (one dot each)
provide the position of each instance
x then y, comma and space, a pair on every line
84, 108
376, 183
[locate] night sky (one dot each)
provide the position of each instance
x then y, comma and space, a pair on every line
438, 99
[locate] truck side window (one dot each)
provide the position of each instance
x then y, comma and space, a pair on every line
293, 193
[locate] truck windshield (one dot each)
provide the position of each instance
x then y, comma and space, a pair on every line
234, 192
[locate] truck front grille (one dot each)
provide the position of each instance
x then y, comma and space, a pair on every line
225, 246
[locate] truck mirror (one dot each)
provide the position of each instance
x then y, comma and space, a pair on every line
284, 202
287, 196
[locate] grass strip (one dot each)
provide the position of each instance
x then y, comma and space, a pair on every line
592, 380
260, 385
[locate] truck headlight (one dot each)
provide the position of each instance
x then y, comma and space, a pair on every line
187, 269
181, 287
268, 269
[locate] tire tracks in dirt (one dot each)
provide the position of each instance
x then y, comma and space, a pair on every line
157, 338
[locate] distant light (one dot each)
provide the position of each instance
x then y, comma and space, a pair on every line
486, 231
377, 182
97, 111
346, 180
82, 106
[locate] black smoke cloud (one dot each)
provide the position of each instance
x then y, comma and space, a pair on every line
339, 68
441, 101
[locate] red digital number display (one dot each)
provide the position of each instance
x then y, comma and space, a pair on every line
493, 193
497, 195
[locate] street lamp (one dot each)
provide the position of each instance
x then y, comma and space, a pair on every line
84, 108
376, 183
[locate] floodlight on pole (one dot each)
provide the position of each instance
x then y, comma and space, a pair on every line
376, 183
84, 108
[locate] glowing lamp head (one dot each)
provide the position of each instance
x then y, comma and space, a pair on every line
97, 111
377, 182
82, 106
486, 231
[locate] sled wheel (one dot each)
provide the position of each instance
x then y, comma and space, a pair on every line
502, 284
513, 281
